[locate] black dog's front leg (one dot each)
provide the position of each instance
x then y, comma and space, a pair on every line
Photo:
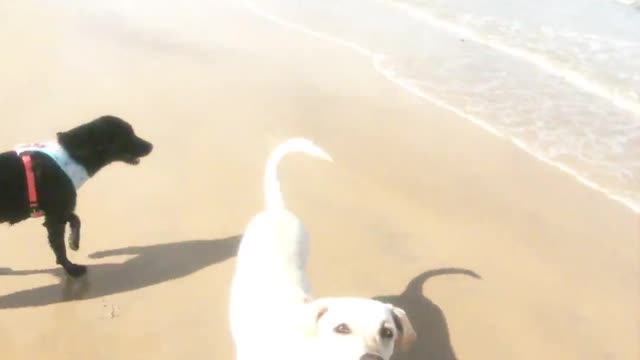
74, 235
55, 228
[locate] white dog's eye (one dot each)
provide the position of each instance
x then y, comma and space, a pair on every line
342, 329
386, 333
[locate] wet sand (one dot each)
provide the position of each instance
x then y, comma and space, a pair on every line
493, 254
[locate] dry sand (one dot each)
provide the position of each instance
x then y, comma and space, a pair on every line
415, 197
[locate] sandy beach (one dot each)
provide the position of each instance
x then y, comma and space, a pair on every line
493, 254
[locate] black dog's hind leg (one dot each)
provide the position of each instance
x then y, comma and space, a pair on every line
74, 234
55, 228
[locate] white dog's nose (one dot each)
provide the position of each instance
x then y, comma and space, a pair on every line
371, 357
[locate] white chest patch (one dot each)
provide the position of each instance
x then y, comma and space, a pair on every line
76, 172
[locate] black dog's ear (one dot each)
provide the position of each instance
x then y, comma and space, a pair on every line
77, 142
93, 135
83, 145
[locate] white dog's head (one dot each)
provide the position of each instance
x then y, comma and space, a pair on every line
356, 329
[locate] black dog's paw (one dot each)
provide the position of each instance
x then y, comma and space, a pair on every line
75, 270
74, 240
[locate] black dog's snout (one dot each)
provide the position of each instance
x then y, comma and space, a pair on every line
371, 357
149, 147
144, 147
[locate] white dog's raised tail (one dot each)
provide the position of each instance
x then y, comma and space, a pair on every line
272, 193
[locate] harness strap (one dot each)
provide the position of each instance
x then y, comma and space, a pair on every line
31, 187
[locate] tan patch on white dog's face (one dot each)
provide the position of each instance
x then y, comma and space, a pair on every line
348, 328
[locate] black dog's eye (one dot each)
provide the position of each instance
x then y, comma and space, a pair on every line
386, 333
342, 329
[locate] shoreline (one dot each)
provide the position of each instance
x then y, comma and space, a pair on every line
375, 60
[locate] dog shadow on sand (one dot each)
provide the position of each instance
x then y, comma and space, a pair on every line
427, 318
150, 265
155, 264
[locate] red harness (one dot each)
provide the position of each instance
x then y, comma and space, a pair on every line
31, 187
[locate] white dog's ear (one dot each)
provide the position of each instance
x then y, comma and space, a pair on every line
313, 312
406, 335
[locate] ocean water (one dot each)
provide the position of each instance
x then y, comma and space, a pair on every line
561, 80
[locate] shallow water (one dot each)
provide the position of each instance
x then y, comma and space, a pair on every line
561, 80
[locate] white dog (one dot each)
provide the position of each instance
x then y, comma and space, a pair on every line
272, 313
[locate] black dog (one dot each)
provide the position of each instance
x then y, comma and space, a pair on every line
88, 148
